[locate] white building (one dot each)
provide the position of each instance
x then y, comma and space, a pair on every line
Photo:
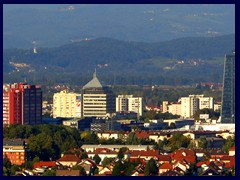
66, 104
206, 103
190, 104
129, 103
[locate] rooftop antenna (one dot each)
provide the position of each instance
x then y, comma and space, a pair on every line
95, 73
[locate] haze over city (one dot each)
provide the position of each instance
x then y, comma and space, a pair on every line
119, 90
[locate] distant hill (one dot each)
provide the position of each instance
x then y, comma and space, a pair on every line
28, 25
179, 61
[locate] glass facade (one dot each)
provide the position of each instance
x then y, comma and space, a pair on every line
228, 96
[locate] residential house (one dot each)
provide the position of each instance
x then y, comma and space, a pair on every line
164, 168
68, 160
89, 165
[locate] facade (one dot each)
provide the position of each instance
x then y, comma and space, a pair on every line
175, 108
66, 105
105, 125
206, 103
97, 101
15, 151
128, 103
228, 96
22, 104
190, 104
164, 106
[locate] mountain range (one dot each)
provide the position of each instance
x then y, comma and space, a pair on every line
51, 25
178, 62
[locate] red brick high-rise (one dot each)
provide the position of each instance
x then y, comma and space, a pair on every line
22, 104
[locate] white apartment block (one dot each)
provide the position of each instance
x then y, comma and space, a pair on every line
190, 104
129, 103
66, 105
206, 103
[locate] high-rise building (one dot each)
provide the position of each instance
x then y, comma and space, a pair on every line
66, 105
190, 104
128, 103
22, 104
97, 101
228, 95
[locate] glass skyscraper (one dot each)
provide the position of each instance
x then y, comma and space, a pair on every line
228, 95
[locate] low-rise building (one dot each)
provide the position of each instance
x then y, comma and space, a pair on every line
15, 150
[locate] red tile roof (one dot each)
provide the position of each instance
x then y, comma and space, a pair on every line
44, 163
166, 166
70, 157
232, 148
164, 158
141, 153
142, 134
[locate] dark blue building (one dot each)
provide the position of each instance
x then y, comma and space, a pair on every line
228, 96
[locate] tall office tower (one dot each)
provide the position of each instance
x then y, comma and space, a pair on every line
228, 95
129, 103
22, 104
66, 104
97, 101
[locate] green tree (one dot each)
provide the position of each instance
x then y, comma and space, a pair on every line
84, 155
132, 139
228, 144
50, 172
82, 170
14, 169
203, 143
178, 140
151, 168
96, 158
106, 161
5, 171
118, 168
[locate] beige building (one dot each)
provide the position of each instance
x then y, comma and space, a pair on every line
175, 108
129, 103
164, 106
97, 101
66, 105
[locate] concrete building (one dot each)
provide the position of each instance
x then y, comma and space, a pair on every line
128, 103
190, 104
175, 108
206, 103
97, 101
164, 106
66, 105
22, 104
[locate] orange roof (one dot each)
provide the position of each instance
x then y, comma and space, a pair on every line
142, 134
232, 148
70, 157
166, 166
136, 153
164, 158
44, 163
